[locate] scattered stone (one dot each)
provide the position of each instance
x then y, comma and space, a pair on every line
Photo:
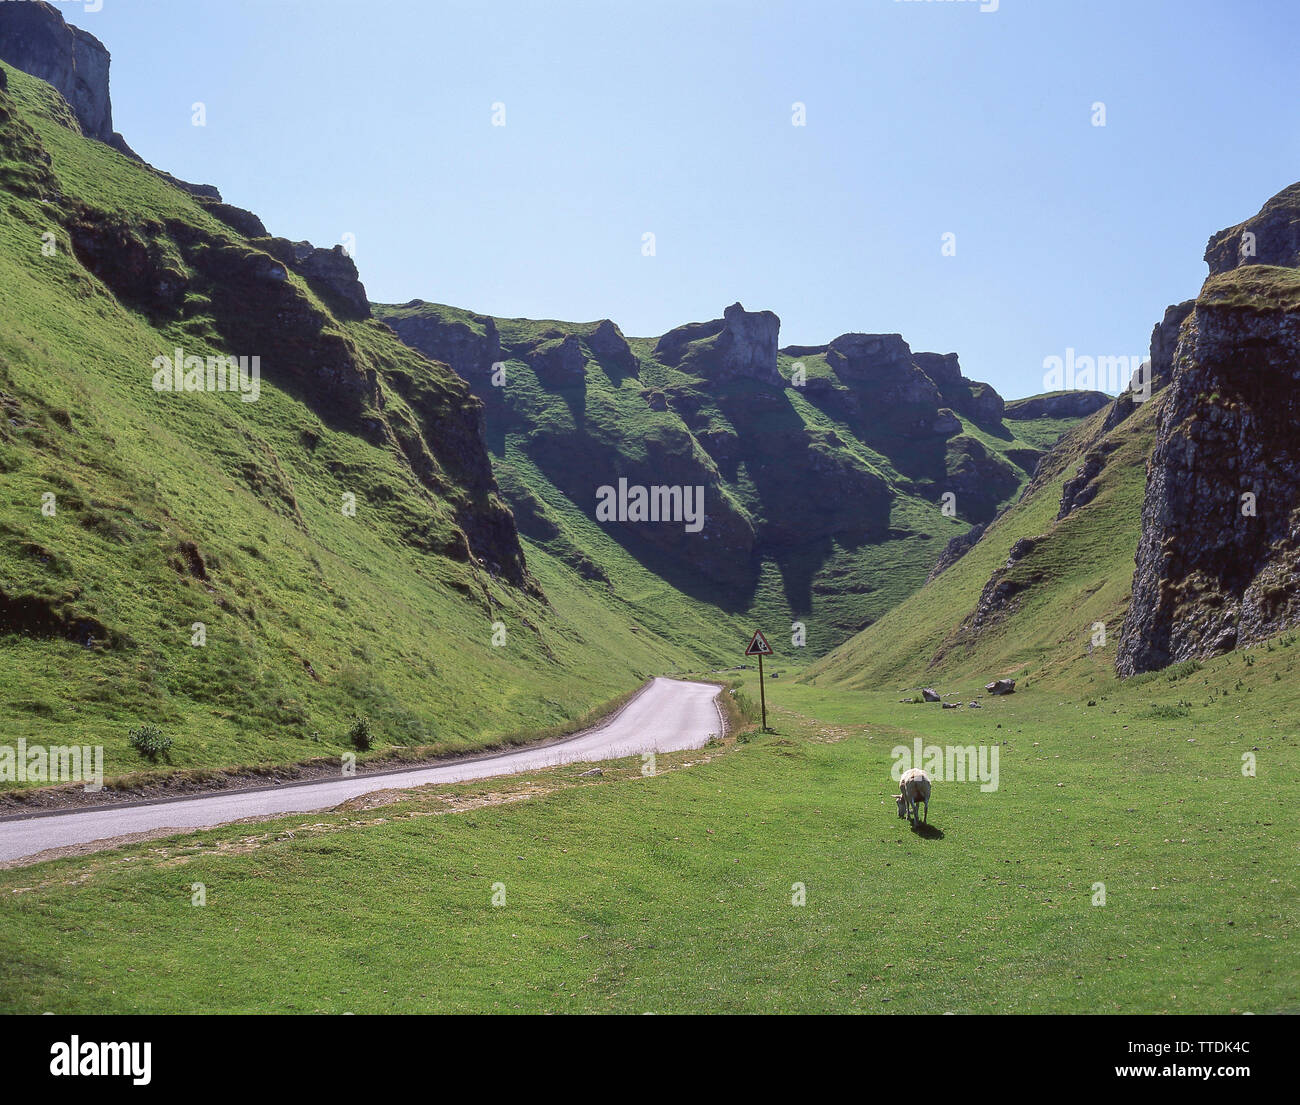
930, 695
1001, 686
594, 771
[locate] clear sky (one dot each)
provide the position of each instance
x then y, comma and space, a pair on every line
674, 117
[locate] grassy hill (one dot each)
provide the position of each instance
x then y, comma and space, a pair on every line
1036, 617
824, 509
176, 509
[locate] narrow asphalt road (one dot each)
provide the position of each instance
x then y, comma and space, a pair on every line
667, 716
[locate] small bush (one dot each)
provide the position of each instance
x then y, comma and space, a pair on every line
360, 734
149, 741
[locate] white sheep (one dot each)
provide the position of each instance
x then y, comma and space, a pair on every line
914, 788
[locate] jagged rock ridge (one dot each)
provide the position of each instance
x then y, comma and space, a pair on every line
1218, 564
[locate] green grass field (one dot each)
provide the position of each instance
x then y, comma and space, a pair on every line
674, 893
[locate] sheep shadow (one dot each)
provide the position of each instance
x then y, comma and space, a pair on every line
927, 831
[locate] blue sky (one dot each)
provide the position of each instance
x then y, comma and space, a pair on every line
923, 118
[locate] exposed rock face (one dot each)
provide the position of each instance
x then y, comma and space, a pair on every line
470, 347
909, 392
559, 362
1210, 575
776, 488
985, 405
331, 273
244, 222
980, 479
1000, 598
35, 39
1218, 563
1271, 237
1060, 404
883, 385
1082, 487
942, 368
257, 310
740, 345
608, 345
1164, 340
880, 359
945, 423
955, 550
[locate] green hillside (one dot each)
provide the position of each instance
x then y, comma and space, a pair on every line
189, 560
825, 497
171, 510
1040, 614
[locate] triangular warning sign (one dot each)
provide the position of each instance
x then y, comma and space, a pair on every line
758, 646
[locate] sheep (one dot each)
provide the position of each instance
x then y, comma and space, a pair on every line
914, 788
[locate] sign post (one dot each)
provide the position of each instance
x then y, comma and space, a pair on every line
759, 647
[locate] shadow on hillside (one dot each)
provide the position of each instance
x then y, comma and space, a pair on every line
928, 831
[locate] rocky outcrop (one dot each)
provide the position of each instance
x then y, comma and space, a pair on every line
239, 220
980, 479
1000, 598
945, 423
35, 39
331, 273
1218, 562
1164, 341
776, 487
882, 385
1081, 488
985, 404
469, 344
1059, 404
1272, 237
881, 360
739, 346
942, 368
1026, 459
909, 392
955, 549
610, 348
254, 308
559, 362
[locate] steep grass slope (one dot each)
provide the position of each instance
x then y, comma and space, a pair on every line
129, 516
823, 470
1031, 596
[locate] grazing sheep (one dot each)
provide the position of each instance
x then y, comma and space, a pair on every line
914, 788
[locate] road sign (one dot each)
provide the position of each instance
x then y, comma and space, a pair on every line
759, 647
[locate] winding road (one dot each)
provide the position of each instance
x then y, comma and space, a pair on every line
668, 715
